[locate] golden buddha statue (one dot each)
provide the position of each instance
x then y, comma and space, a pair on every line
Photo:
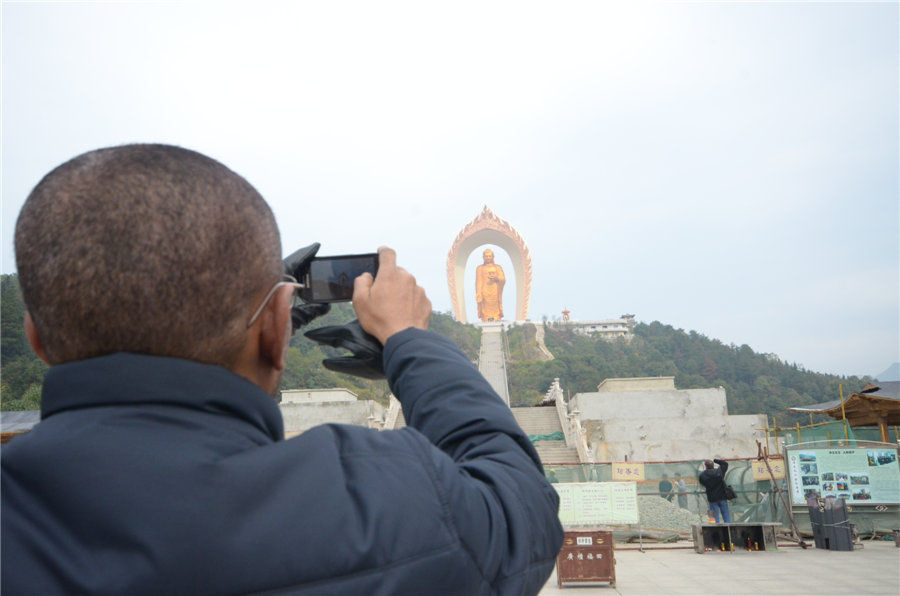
489, 281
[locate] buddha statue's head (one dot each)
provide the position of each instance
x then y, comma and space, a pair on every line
488, 256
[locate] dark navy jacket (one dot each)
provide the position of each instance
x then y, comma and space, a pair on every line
153, 475
714, 481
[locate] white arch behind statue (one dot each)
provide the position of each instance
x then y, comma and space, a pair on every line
488, 228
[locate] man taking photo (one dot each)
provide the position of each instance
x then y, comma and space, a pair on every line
153, 281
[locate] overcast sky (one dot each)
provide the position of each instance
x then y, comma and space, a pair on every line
728, 168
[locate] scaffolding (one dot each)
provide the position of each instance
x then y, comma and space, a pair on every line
757, 496
834, 433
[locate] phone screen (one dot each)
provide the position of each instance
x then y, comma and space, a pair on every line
330, 279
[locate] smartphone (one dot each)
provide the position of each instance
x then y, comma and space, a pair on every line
330, 279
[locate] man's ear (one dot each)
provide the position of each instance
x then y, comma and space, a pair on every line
34, 339
276, 329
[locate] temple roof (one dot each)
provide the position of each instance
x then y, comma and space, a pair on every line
864, 408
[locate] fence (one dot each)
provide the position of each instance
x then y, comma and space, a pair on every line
670, 510
757, 500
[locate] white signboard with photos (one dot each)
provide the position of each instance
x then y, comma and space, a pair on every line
859, 475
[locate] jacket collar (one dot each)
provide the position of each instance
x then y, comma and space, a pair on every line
134, 379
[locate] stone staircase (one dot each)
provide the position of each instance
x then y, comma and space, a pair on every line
492, 360
544, 421
534, 420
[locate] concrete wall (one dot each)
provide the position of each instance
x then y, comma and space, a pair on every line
317, 395
684, 403
637, 384
299, 417
637, 420
670, 439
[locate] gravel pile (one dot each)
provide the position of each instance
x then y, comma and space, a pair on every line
657, 512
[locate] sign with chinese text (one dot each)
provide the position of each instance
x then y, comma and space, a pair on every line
597, 503
627, 471
859, 475
760, 472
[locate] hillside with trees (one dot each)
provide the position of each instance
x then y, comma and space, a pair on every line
754, 383
22, 373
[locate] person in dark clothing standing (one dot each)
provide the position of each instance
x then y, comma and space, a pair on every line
155, 290
713, 479
665, 488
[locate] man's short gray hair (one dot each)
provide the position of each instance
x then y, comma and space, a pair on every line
149, 249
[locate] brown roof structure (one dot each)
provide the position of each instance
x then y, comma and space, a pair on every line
874, 405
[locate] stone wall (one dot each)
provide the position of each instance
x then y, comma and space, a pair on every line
637, 384
668, 439
317, 395
634, 420
299, 417
674, 403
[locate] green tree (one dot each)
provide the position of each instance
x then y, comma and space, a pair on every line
754, 383
22, 372
13, 342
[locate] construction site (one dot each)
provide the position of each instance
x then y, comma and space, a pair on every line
816, 507
647, 432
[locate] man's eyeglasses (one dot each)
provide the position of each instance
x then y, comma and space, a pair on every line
295, 297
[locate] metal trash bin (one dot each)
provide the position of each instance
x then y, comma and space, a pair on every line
830, 523
838, 534
816, 514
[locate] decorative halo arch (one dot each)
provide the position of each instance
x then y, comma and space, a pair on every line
487, 228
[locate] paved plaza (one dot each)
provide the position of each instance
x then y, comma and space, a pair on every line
873, 569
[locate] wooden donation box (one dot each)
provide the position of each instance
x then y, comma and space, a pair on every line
586, 557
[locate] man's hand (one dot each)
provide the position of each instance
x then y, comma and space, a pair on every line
297, 263
297, 266
392, 301
302, 314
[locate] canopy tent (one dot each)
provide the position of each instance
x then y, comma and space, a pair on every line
875, 405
